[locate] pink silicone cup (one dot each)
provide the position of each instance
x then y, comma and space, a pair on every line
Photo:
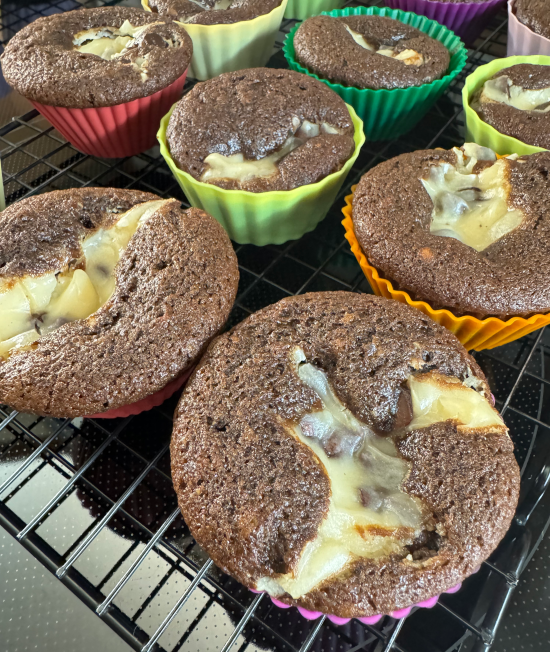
367, 620
147, 403
521, 39
465, 19
115, 131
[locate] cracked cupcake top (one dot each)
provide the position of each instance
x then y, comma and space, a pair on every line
106, 296
212, 12
364, 467
260, 129
460, 229
96, 57
516, 102
369, 52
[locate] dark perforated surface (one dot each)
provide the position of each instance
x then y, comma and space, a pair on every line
93, 499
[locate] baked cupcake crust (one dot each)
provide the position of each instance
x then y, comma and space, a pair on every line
392, 213
326, 48
255, 518
531, 127
534, 14
202, 12
253, 112
41, 61
175, 285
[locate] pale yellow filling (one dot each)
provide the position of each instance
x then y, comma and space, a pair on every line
369, 515
112, 43
504, 91
34, 306
219, 5
437, 398
408, 57
238, 168
472, 208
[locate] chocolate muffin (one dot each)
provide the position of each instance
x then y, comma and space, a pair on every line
259, 130
341, 452
369, 52
96, 57
460, 229
535, 14
516, 102
106, 296
212, 12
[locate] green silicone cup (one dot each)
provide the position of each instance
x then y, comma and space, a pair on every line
267, 217
302, 9
387, 114
480, 132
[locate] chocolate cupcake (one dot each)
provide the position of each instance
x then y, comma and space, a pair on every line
91, 58
107, 296
260, 130
227, 34
97, 60
364, 467
516, 102
535, 15
368, 51
460, 229
212, 12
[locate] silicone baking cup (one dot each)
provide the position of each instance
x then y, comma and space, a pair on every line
480, 132
473, 333
147, 403
390, 113
264, 217
114, 131
466, 19
302, 9
521, 39
225, 48
367, 620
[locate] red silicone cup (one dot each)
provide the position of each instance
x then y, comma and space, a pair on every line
367, 620
147, 403
115, 131
465, 19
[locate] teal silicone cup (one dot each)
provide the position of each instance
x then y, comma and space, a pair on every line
387, 114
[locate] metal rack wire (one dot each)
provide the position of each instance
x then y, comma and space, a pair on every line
93, 499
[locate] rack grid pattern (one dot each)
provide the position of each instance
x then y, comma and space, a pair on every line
92, 499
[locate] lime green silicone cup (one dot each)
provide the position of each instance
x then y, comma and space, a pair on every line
223, 47
480, 132
302, 9
390, 113
266, 217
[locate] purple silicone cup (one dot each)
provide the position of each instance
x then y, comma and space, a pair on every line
465, 19
367, 620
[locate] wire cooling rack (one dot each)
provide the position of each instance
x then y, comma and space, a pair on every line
93, 500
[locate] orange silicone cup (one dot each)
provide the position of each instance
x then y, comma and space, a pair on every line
473, 333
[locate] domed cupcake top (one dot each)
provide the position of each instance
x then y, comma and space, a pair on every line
106, 296
516, 102
96, 57
212, 12
369, 52
259, 130
535, 14
460, 229
364, 467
